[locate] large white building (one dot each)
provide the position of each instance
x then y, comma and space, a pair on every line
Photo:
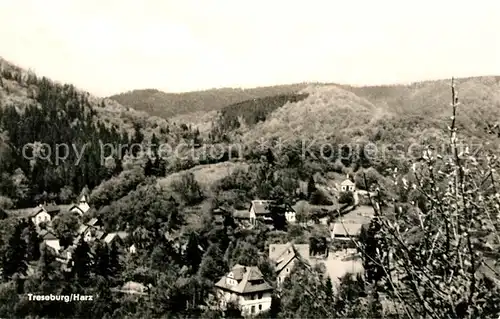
246, 287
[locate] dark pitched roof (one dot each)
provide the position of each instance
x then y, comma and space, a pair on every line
52, 209
241, 214
283, 254
249, 279
37, 210
261, 207
75, 207
47, 234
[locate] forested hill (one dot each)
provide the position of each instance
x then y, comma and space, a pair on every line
166, 105
36, 110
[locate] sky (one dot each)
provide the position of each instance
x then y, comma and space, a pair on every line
112, 46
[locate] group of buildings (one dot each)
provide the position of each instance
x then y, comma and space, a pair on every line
92, 230
261, 211
243, 285
246, 287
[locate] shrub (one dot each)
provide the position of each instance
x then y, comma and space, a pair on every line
346, 198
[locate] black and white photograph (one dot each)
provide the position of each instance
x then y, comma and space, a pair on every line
249, 159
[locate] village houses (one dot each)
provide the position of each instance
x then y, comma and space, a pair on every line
246, 287
49, 239
261, 210
44, 214
285, 256
91, 230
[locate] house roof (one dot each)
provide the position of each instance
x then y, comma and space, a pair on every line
99, 234
241, 214
282, 254
132, 287
347, 182
122, 234
222, 210
251, 280
47, 235
261, 207
110, 237
238, 271
347, 229
52, 209
36, 211
93, 221
83, 198
75, 207
82, 229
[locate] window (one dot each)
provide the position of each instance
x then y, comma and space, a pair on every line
260, 307
260, 295
253, 309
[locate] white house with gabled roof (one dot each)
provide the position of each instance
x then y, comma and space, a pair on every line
82, 207
246, 287
348, 186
